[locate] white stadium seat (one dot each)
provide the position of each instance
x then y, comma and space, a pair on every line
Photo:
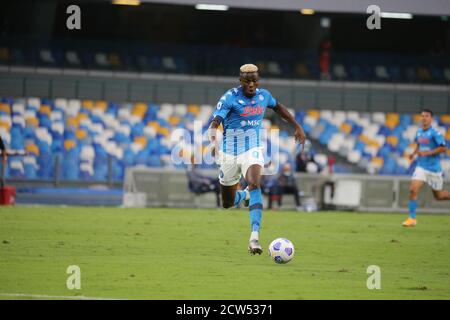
353, 115
124, 113
321, 159
58, 127
33, 103
354, 156
101, 59
61, 103
19, 120
379, 117
18, 108
6, 136
72, 58
150, 132
87, 153
180, 109
46, 56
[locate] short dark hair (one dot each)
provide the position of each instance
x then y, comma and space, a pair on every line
427, 110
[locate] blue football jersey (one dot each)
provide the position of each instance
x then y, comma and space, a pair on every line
242, 118
429, 139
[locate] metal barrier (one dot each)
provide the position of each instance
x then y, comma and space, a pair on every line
169, 187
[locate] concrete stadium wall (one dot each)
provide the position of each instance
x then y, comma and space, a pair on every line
159, 88
155, 187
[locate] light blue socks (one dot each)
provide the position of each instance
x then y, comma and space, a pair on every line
255, 207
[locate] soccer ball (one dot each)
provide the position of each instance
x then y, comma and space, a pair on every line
281, 250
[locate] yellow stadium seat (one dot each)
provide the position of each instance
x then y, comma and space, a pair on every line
174, 121
4, 54
101, 104
447, 135
69, 144
32, 122
81, 134
164, 131
205, 149
141, 140
4, 124
314, 114
45, 109
32, 148
82, 116
114, 59
417, 117
364, 139
87, 104
193, 108
392, 120
4, 107
445, 118
378, 161
368, 141
154, 124
302, 70
72, 122
346, 128
392, 140
138, 113
139, 109
140, 106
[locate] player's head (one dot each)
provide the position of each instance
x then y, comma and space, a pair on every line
427, 117
249, 78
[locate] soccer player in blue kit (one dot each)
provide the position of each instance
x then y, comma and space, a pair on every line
241, 111
429, 144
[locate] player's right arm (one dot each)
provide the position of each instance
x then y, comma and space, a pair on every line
415, 152
213, 134
222, 109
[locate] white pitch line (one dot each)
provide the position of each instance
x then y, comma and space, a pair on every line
43, 296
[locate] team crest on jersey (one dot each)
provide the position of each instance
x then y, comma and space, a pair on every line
261, 97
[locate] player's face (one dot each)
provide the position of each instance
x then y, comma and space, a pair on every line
249, 82
426, 119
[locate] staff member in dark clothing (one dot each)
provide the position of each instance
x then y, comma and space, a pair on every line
285, 184
199, 183
3, 166
3, 151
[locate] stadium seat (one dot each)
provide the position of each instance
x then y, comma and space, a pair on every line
339, 71
90, 134
46, 56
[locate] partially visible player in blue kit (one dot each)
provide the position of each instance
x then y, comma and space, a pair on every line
430, 144
241, 111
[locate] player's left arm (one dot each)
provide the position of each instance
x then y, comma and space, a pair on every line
284, 113
434, 152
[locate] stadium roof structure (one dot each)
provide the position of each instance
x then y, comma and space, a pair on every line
418, 7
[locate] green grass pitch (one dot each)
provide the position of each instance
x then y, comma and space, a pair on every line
202, 254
